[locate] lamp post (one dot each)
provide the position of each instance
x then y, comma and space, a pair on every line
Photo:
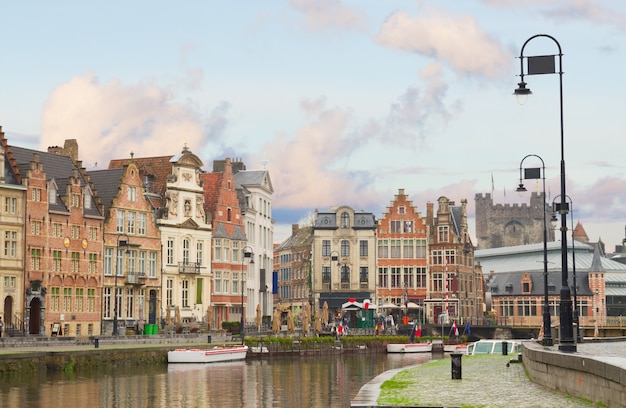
122, 241
569, 207
545, 64
536, 173
245, 255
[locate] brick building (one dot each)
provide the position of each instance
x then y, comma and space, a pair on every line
63, 272
402, 255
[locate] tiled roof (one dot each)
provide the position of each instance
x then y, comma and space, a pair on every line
107, 184
152, 169
58, 167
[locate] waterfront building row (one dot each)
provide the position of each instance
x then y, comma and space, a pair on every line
144, 241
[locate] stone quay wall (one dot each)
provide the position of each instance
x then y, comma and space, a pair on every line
593, 377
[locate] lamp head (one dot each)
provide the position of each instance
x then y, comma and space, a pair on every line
522, 93
553, 221
521, 188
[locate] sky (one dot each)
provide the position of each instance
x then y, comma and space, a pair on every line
343, 101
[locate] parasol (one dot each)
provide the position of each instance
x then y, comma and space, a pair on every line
258, 317
325, 314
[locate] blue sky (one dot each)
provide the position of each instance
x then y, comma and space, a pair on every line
344, 102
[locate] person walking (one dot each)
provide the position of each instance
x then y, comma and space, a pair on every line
1, 326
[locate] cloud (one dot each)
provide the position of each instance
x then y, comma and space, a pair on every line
109, 120
456, 41
308, 167
593, 11
324, 14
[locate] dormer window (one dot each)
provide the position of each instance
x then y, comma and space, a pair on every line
52, 195
345, 220
509, 288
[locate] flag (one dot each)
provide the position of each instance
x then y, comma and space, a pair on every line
455, 329
467, 329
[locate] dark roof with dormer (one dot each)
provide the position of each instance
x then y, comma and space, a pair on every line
58, 168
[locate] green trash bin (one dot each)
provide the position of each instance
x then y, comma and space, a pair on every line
147, 329
151, 329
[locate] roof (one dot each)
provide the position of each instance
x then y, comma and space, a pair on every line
510, 284
529, 258
59, 168
249, 178
107, 183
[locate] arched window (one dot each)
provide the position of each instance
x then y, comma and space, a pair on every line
345, 220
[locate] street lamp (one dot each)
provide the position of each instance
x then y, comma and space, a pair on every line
569, 206
122, 241
536, 173
545, 64
249, 255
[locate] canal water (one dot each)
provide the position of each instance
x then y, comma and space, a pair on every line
314, 381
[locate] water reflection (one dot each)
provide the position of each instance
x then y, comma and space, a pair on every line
315, 381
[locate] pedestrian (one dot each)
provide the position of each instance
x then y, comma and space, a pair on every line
1, 326
339, 331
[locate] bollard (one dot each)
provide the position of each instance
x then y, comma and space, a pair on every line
209, 339
455, 358
505, 348
96, 342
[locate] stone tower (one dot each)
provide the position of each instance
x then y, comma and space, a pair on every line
503, 225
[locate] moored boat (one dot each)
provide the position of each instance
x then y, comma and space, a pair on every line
213, 355
493, 346
409, 348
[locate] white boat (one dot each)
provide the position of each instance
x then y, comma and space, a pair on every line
493, 346
213, 355
455, 348
409, 348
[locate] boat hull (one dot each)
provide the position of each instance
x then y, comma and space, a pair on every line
214, 355
409, 348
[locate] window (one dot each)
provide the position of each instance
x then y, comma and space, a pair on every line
325, 274
120, 222
443, 233
132, 194
54, 299
9, 281
152, 264
170, 251
130, 303
345, 247
363, 248
80, 293
107, 303
67, 299
395, 226
450, 256
75, 200
383, 248
363, 274
437, 282
75, 262
506, 308
383, 279
408, 227
401, 209
36, 194
420, 277
345, 220
437, 257
93, 263
185, 293
200, 253
75, 232
186, 250
169, 292
326, 247
396, 248
395, 277
141, 224
10, 205
35, 227
235, 284
119, 262
218, 249
108, 261
131, 222
420, 250
57, 230
86, 200
91, 300
407, 248
141, 266
526, 308
132, 259
226, 251
93, 233
35, 259
52, 195
218, 282
10, 243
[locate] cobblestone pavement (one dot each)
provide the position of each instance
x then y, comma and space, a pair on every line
486, 381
